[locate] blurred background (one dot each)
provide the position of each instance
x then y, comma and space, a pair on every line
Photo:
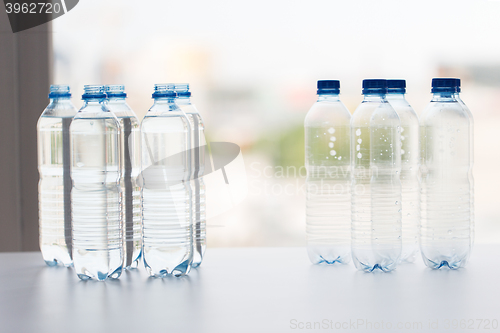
253, 67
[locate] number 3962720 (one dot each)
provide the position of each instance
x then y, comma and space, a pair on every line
32, 8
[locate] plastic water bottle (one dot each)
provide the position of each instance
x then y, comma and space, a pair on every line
445, 234
54, 188
166, 193
327, 160
97, 222
376, 186
471, 177
410, 164
183, 100
131, 169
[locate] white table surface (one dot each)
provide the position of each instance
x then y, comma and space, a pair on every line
252, 290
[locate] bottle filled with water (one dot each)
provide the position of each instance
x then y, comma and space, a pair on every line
198, 145
131, 169
96, 193
445, 129
166, 190
376, 186
410, 164
471, 176
327, 160
54, 166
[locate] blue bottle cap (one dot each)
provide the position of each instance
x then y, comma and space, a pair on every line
458, 85
445, 85
59, 91
182, 89
396, 86
328, 87
93, 91
163, 90
374, 86
115, 90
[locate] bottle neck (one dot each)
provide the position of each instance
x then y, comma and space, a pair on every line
457, 96
60, 100
92, 102
116, 100
328, 98
379, 98
166, 102
444, 96
395, 96
183, 100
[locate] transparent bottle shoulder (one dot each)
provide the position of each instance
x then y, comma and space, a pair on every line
324, 113
467, 110
195, 118
51, 122
110, 122
165, 122
188, 108
95, 111
165, 111
406, 113
443, 111
369, 112
59, 110
121, 110
92, 129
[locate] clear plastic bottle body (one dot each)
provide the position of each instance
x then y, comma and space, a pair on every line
471, 176
410, 176
197, 184
54, 187
328, 199
166, 193
130, 141
445, 233
376, 186
96, 193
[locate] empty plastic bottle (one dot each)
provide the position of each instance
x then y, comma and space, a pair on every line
183, 100
131, 169
54, 188
445, 233
327, 160
96, 173
166, 192
471, 176
410, 164
376, 186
